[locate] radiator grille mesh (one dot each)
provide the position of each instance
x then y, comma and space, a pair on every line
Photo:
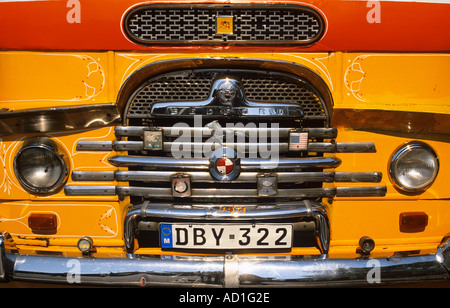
198, 24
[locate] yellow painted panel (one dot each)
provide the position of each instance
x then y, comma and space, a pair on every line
99, 220
406, 82
351, 220
30, 80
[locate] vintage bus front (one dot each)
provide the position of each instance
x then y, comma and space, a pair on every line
224, 143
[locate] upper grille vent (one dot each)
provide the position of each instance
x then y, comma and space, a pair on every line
218, 24
194, 87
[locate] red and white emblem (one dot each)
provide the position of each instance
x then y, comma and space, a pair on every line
224, 166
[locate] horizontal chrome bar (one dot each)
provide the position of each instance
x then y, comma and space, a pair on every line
244, 177
290, 163
227, 271
93, 175
225, 193
245, 147
161, 192
84, 145
370, 177
160, 162
263, 211
90, 190
377, 191
281, 132
168, 163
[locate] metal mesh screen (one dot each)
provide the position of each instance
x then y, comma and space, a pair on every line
196, 86
250, 25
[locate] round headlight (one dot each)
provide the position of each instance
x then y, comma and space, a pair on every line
40, 166
414, 166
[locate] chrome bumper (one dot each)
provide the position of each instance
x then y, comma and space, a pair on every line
227, 271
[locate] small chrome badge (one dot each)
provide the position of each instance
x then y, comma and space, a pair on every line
153, 140
227, 91
267, 186
181, 186
224, 166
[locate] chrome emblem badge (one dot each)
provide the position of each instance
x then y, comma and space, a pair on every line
227, 91
181, 185
224, 166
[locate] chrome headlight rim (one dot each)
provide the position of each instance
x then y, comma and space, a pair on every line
46, 144
399, 153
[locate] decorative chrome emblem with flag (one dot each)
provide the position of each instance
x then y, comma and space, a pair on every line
298, 141
153, 140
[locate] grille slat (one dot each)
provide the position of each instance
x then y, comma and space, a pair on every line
161, 192
205, 177
320, 147
196, 23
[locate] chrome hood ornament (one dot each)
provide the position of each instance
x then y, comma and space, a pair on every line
227, 99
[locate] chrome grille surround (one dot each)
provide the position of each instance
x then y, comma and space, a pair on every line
182, 24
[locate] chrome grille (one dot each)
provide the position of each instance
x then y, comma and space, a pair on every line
197, 23
298, 180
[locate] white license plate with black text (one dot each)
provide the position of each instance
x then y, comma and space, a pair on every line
226, 236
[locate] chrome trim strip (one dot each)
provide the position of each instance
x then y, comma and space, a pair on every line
370, 177
58, 119
93, 175
127, 131
322, 147
84, 145
148, 192
90, 190
377, 191
163, 163
245, 147
355, 147
222, 193
211, 271
203, 163
342, 147
244, 177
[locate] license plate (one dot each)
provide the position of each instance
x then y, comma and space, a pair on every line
226, 236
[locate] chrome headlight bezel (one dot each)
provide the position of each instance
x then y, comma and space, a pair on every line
58, 155
402, 152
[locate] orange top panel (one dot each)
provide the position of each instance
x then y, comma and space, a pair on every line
351, 26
